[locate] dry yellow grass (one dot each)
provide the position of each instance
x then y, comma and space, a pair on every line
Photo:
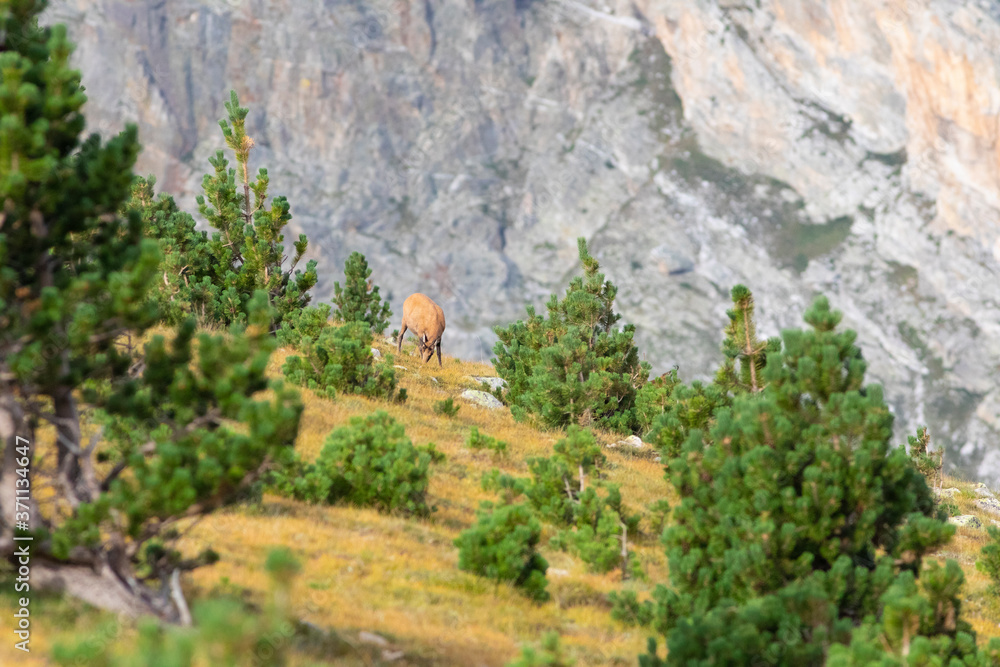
364, 571
397, 577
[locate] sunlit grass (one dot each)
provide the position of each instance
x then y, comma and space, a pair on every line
398, 577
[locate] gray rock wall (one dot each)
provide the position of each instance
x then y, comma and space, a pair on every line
845, 147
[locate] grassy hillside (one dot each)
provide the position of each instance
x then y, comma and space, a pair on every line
364, 572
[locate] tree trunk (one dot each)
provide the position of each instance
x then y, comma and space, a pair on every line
14, 430
76, 475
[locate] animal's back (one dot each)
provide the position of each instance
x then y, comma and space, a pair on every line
422, 303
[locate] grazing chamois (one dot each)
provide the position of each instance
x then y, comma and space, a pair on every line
426, 320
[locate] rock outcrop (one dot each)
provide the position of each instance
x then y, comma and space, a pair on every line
847, 147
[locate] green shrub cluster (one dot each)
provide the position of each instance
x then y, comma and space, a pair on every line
446, 407
684, 408
574, 366
566, 489
502, 546
550, 655
369, 463
478, 440
359, 300
801, 532
214, 277
335, 358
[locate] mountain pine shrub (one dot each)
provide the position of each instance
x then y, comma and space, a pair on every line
479, 440
566, 490
574, 366
502, 546
989, 559
688, 407
359, 300
930, 464
335, 358
550, 655
369, 463
215, 277
246, 248
141, 435
797, 518
187, 284
446, 407
919, 623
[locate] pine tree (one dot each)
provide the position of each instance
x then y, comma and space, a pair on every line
369, 463
358, 300
189, 284
798, 517
247, 251
929, 463
689, 407
142, 437
567, 490
575, 366
331, 359
745, 355
502, 545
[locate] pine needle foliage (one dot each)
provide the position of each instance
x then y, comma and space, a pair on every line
479, 440
447, 407
246, 246
503, 546
179, 425
745, 354
550, 654
566, 490
930, 464
369, 463
799, 523
989, 559
359, 300
335, 358
185, 286
688, 407
574, 366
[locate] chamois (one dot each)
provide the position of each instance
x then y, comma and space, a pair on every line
425, 319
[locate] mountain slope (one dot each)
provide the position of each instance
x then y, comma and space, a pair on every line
365, 572
846, 147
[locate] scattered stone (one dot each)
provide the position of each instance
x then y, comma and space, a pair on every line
376, 353
402, 368
372, 638
950, 492
983, 491
482, 398
433, 379
556, 572
967, 520
493, 382
991, 505
392, 656
632, 441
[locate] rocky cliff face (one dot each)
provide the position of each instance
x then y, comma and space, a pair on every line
847, 147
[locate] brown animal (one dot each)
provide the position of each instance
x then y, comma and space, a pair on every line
426, 320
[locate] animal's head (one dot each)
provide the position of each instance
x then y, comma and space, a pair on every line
426, 348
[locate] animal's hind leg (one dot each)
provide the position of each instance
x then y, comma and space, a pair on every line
438, 346
399, 341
